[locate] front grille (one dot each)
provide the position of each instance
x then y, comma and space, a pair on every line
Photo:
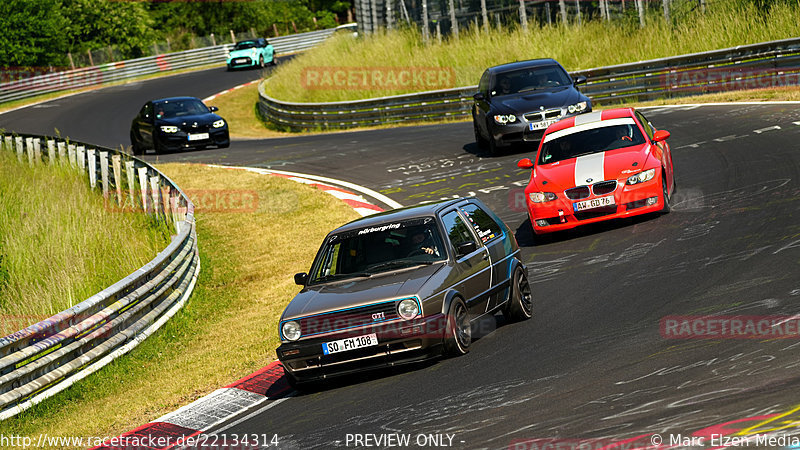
340, 320
604, 187
597, 212
198, 129
538, 116
577, 193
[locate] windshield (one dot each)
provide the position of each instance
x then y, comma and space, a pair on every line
531, 79
590, 141
244, 45
379, 248
178, 108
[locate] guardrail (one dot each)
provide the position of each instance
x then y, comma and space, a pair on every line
47, 357
766, 64
122, 70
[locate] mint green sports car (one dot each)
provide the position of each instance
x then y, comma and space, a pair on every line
251, 53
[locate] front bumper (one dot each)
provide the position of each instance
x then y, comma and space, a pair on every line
629, 201
177, 141
519, 131
242, 61
399, 342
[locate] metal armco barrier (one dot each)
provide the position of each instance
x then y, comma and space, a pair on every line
122, 70
768, 64
47, 357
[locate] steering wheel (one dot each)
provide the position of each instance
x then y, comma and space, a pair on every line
417, 252
626, 138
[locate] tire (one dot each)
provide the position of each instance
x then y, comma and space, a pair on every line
261, 61
273, 63
135, 148
665, 193
478, 138
520, 302
458, 331
156, 147
493, 149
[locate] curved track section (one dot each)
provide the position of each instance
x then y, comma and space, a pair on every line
593, 363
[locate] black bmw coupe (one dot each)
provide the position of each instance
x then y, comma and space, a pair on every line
177, 123
516, 102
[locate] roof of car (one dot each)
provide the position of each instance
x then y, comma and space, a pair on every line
595, 116
523, 65
174, 99
409, 212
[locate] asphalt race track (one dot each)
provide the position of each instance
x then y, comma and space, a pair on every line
592, 363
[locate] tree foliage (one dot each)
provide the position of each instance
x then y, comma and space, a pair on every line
32, 33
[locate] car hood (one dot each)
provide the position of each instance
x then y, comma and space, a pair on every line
245, 52
201, 119
356, 292
534, 100
610, 165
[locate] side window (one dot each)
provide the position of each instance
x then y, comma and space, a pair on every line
648, 127
483, 224
456, 229
483, 85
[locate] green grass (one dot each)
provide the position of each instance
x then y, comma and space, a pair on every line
593, 44
59, 244
228, 328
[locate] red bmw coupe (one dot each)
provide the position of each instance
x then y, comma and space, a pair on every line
598, 166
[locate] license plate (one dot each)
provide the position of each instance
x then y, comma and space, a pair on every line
343, 345
240, 60
198, 136
541, 125
594, 203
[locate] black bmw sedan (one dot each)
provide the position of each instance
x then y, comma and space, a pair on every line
177, 123
516, 102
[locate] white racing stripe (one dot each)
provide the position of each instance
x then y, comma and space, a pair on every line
589, 167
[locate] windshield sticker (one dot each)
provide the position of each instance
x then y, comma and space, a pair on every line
391, 226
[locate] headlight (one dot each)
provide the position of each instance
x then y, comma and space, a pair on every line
503, 119
408, 309
219, 124
169, 129
541, 197
641, 177
291, 331
577, 107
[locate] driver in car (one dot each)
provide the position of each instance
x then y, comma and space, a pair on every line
422, 243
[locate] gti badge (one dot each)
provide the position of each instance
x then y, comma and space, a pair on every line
379, 316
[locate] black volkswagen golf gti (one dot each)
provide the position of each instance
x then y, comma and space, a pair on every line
177, 123
402, 286
516, 102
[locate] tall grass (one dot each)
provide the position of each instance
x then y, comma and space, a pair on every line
59, 244
592, 44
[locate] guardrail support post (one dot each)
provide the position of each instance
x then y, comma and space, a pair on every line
523, 15
116, 164
155, 192
51, 152
37, 150
143, 186
62, 152
81, 157
131, 172
640, 7
73, 158
104, 173
453, 20
425, 21
8, 141
29, 149
92, 163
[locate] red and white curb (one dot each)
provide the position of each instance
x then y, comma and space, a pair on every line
342, 190
208, 99
179, 427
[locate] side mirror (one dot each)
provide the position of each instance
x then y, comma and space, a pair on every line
580, 79
301, 278
213, 108
465, 248
661, 135
479, 96
525, 163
